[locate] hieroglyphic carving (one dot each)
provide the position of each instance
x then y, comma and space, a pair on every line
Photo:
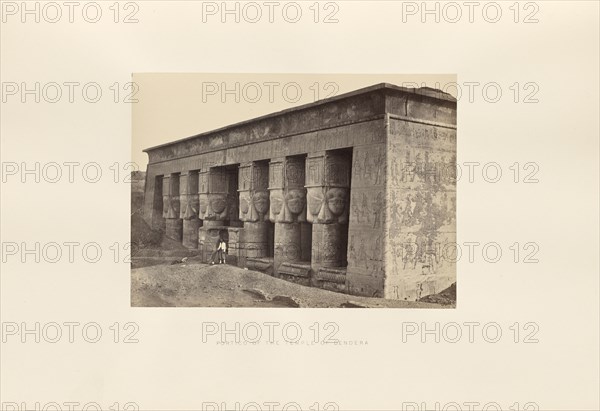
378, 207
366, 252
421, 166
368, 166
421, 199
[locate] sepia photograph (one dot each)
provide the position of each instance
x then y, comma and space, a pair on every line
197, 196
347, 201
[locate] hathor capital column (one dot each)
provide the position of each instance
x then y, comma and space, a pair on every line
327, 184
288, 208
171, 207
190, 204
214, 199
253, 181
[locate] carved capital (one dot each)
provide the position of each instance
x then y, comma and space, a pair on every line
188, 189
213, 197
287, 192
327, 205
327, 182
253, 191
171, 204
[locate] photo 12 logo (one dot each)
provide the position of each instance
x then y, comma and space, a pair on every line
487, 91
71, 252
67, 172
468, 406
470, 332
270, 12
53, 12
68, 332
469, 11
268, 406
68, 92
68, 406
266, 92
272, 333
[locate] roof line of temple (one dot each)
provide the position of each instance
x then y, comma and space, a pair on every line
423, 91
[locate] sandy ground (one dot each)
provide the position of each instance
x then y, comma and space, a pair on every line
193, 284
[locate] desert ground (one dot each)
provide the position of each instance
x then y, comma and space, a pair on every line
193, 284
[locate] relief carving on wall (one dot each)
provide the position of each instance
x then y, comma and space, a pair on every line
422, 165
366, 252
420, 223
368, 166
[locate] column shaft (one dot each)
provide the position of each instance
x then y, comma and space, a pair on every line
188, 186
288, 208
171, 207
214, 209
327, 184
253, 182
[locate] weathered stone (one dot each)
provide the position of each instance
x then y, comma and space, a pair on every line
234, 249
333, 279
288, 246
363, 182
174, 228
288, 208
188, 193
260, 264
171, 207
190, 233
208, 238
295, 272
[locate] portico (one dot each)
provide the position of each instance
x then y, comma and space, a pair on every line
327, 194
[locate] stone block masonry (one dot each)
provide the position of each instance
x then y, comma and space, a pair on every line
355, 193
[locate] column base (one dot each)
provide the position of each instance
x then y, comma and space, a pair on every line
174, 229
208, 237
287, 244
190, 233
328, 246
254, 241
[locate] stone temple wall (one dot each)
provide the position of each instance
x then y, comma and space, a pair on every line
421, 197
355, 194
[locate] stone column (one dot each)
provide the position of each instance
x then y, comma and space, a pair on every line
171, 207
327, 185
190, 204
253, 181
213, 200
158, 218
288, 208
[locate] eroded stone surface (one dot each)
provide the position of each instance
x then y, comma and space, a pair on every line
364, 183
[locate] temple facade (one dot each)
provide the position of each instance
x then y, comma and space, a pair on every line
355, 193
